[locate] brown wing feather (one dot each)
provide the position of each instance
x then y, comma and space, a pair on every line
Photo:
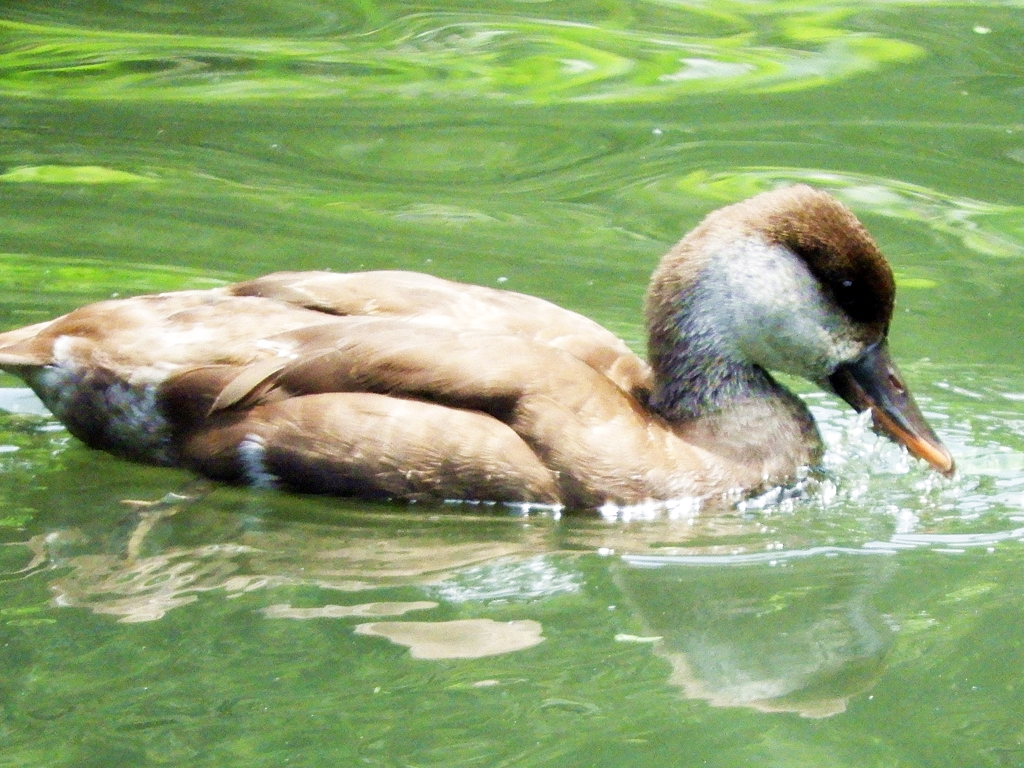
575, 420
372, 445
436, 302
22, 347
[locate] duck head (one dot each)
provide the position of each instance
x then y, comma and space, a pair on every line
786, 281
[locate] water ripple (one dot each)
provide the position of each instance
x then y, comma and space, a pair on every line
440, 56
988, 229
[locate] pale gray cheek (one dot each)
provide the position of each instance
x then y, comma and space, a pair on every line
766, 307
846, 348
798, 349
808, 342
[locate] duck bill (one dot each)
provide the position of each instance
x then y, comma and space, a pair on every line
873, 382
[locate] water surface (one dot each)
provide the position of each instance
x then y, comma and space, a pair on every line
557, 149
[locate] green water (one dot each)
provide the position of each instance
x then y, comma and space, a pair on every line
557, 149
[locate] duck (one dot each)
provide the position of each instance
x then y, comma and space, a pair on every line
401, 385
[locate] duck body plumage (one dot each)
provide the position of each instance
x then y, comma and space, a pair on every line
403, 385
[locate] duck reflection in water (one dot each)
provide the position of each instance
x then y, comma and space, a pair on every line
400, 385
801, 636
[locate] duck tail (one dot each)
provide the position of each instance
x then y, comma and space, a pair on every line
20, 348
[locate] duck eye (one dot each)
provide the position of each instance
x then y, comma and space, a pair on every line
847, 283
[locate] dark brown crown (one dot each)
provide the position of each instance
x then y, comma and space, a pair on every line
831, 241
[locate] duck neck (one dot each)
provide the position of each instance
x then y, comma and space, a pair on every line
696, 371
688, 388
716, 399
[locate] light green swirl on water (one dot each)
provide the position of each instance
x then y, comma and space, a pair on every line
987, 229
22, 273
443, 55
72, 174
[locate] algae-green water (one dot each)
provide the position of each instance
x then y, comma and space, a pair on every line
555, 148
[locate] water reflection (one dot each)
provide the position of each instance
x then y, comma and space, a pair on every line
126, 582
800, 636
775, 630
778, 631
461, 639
988, 229
435, 54
286, 611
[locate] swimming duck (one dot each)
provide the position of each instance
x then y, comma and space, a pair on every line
403, 385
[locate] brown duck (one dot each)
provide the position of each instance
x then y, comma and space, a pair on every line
402, 385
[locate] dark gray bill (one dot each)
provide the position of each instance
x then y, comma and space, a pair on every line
873, 381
